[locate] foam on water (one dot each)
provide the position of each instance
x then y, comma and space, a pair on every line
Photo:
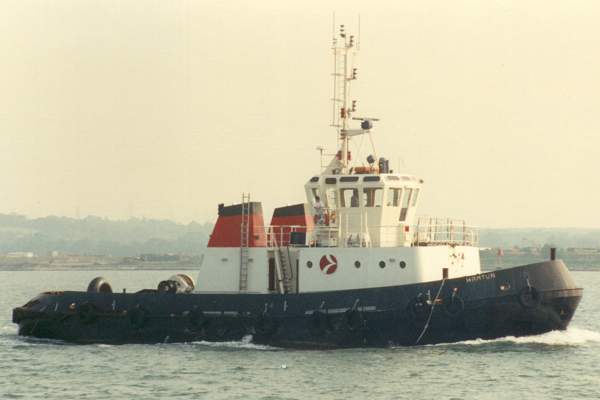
245, 343
571, 337
8, 329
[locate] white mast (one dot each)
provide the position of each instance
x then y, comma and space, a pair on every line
342, 57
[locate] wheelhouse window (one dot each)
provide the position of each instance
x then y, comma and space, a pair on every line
394, 195
349, 197
331, 195
373, 197
415, 197
405, 203
371, 179
315, 192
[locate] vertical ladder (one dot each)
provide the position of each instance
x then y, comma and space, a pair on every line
244, 241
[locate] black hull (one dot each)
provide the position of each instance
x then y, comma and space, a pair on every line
519, 301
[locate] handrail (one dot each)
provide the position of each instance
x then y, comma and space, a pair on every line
434, 230
281, 235
427, 231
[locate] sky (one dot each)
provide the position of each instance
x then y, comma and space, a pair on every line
163, 109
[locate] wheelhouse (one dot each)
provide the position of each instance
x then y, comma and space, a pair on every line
374, 210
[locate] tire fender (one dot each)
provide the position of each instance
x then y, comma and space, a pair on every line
529, 297
318, 323
197, 318
138, 316
354, 320
87, 313
454, 305
266, 324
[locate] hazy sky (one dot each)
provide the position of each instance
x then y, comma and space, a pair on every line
163, 109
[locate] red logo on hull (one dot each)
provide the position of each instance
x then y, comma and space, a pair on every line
328, 264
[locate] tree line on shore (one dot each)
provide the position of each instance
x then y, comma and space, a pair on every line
102, 236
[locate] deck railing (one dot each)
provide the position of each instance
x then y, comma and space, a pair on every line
281, 235
427, 231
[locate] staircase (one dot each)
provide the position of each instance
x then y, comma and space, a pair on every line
284, 270
244, 241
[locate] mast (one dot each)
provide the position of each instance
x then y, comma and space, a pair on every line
343, 53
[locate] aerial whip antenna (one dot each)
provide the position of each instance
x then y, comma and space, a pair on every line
358, 36
345, 48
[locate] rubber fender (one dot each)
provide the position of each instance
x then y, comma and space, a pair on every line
419, 307
138, 316
99, 285
87, 313
318, 323
220, 329
454, 305
529, 297
197, 319
266, 324
167, 286
354, 320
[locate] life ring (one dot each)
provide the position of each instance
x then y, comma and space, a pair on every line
87, 313
197, 319
354, 320
454, 305
266, 324
99, 285
529, 297
138, 316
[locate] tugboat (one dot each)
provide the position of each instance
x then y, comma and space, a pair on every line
354, 266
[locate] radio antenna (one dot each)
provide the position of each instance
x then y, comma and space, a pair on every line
343, 48
333, 25
358, 36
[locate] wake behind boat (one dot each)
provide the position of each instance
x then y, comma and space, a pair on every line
354, 266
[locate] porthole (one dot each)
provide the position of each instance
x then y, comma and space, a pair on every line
381, 264
402, 264
357, 264
309, 264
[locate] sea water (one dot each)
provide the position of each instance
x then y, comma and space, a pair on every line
556, 365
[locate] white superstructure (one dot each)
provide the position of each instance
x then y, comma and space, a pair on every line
359, 227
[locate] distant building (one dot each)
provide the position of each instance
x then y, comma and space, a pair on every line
20, 254
583, 250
